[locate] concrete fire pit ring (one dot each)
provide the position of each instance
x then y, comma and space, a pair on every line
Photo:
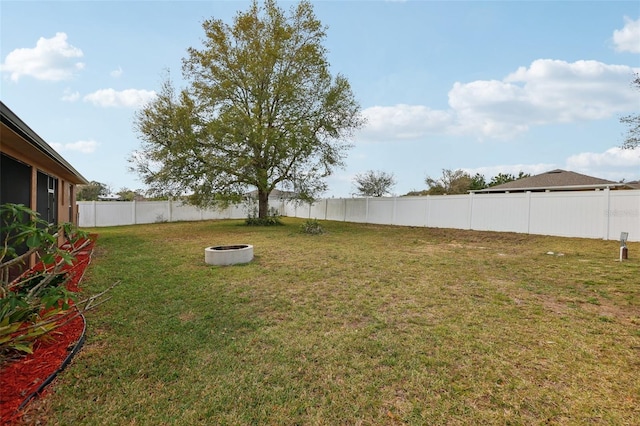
228, 255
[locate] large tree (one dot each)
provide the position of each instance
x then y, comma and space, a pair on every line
632, 139
261, 111
374, 183
92, 191
451, 182
126, 194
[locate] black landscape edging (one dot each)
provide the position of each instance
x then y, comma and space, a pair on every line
53, 375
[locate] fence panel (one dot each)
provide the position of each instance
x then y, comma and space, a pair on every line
356, 210
623, 214
185, 212
448, 211
295, 209
411, 211
567, 214
381, 211
150, 211
334, 209
500, 212
114, 214
86, 214
93, 213
318, 210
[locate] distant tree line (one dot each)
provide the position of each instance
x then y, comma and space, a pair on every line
461, 182
376, 183
95, 191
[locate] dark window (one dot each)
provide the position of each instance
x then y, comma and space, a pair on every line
15, 181
70, 202
46, 196
15, 188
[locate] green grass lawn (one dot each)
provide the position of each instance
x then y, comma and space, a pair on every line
364, 325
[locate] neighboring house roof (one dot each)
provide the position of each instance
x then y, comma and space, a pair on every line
276, 193
635, 184
110, 197
555, 180
15, 133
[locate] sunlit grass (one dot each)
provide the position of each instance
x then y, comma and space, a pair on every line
362, 325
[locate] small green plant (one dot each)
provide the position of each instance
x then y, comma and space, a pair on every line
30, 301
34, 299
312, 227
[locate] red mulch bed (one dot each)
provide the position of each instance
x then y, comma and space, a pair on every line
25, 378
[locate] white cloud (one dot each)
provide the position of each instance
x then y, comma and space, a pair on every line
116, 73
490, 108
628, 38
85, 147
546, 92
614, 164
52, 59
402, 122
69, 96
611, 158
131, 98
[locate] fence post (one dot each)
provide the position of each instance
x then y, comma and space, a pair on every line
528, 212
393, 210
366, 210
344, 210
134, 212
426, 211
470, 218
607, 216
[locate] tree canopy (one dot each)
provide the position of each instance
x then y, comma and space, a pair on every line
502, 178
632, 139
451, 182
261, 111
374, 183
126, 194
460, 182
92, 191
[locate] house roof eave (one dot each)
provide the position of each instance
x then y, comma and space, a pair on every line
15, 124
552, 188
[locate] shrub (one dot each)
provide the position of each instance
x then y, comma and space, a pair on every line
37, 301
311, 226
273, 218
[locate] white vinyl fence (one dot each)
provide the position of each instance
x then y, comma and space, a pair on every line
587, 214
114, 213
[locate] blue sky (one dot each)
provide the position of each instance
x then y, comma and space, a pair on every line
487, 87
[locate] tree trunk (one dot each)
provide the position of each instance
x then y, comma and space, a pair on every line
263, 203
